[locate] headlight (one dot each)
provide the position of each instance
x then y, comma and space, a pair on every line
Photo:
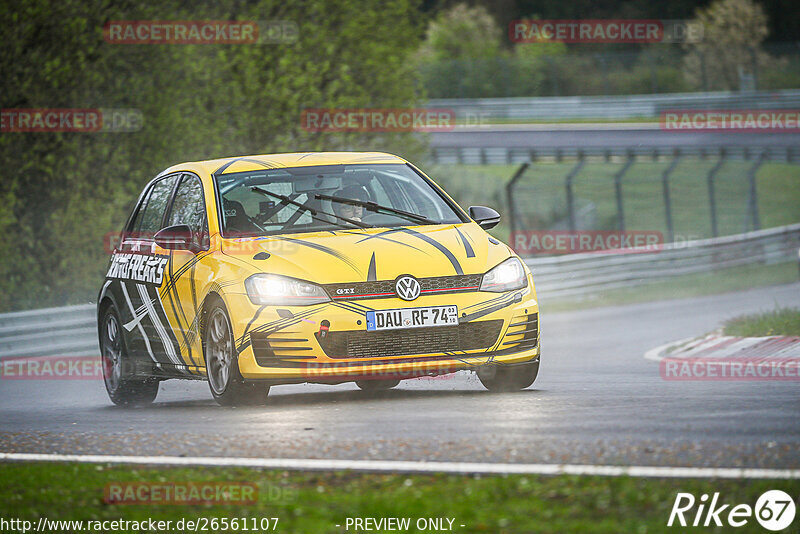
507, 276
271, 289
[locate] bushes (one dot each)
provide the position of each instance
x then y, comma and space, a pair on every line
61, 193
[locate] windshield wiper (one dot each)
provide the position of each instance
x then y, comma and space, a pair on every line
372, 206
309, 209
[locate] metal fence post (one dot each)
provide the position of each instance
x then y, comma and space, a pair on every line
512, 208
712, 202
667, 203
753, 197
553, 74
568, 183
618, 191
704, 71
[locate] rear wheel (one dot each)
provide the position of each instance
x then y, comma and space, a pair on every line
227, 385
123, 388
376, 385
496, 377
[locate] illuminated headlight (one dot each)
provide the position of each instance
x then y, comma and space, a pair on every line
507, 276
271, 289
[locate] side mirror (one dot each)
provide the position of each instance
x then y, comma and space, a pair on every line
485, 217
178, 237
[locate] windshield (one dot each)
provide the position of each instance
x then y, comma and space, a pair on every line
328, 197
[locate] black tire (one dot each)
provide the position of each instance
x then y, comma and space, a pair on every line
508, 377
376, 385
124, 388
227, 385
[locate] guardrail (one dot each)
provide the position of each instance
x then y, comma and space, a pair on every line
72, 330
581, 274
67, 331
464, 155
613, 107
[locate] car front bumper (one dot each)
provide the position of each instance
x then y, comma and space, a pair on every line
329, 342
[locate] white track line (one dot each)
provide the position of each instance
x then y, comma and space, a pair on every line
657, 354
458, 468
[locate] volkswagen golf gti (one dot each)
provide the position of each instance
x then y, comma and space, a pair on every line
330, 267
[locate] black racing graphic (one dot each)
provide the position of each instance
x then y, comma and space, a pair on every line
441, 248
268, 164
382, 236
247, 328
268, 328
428, 239
504, 302
371, 272
484, 303
190, 333
467, 246
322, 248
170, 285
175, 309
148, 312
144, 268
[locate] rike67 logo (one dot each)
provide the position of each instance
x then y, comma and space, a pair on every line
774, 510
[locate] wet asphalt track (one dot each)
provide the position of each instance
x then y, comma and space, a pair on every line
596, 401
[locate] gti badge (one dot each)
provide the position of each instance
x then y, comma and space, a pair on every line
407, 287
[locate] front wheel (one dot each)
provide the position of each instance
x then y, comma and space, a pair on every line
496, 377
222, 364
123, 389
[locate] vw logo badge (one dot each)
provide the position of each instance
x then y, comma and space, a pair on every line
407, 287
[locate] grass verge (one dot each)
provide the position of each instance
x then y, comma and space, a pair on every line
779, 322
317, 502
690, 285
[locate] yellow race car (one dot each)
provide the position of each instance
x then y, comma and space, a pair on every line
310, 267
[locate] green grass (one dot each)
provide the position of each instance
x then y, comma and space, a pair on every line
779, 322
691, 285
316, 502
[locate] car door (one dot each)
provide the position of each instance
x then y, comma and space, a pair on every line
140, 266
187, 273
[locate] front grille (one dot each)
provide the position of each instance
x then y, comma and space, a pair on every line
385, 288
522, 333
280, 347
362, 344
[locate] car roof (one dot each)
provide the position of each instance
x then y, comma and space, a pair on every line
277, 161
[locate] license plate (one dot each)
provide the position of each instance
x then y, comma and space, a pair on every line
412, 318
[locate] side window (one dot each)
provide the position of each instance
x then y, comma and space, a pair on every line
137, 220
148, 219
189, 208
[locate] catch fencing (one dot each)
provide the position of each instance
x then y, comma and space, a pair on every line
490, 110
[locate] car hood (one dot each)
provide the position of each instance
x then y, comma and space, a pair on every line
372, 253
